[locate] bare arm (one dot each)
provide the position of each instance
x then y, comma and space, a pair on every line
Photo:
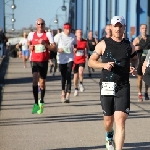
86, 53
29, 41
144, 66
96, 41
30, 45
93, 61
146, 62
51, 47
136, 43
134, 60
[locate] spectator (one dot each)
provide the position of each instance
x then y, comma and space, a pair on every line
2, 42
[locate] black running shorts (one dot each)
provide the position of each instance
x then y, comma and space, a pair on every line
76, 67
120, 102
40, 67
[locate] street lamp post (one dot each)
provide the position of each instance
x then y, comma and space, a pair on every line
12, 27
57, 19
52, 21
63, 8
13, 6
12, 20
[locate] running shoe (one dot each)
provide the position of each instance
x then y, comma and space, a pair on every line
63, 98
146, 96
110, 145
140, 98
81, 87
76, 93
41, 107
67, 100
35, 108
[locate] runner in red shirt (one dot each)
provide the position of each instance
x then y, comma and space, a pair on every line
40, 43
79, 61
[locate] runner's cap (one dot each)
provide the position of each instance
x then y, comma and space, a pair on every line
117, 19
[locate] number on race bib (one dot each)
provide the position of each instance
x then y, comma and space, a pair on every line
67, 50
79, 53
108, 88
40, 48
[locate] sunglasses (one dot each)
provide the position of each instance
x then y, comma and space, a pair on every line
40, 24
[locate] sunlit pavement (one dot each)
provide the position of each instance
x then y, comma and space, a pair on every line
74, 126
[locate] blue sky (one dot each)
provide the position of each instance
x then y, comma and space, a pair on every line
27, 11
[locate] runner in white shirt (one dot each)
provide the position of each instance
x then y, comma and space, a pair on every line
25, 49
66, 42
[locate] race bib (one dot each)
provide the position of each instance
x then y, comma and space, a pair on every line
108, 88
79, 53
67, 50
40, 48
145, 52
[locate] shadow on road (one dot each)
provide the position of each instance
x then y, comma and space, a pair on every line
38, 119
137, 146
52, 119
80, 148
3, 71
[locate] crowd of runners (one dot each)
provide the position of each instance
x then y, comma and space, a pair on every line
68, 52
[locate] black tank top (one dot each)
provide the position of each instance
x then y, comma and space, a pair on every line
119, 53
144, 44
90, 45
103, 38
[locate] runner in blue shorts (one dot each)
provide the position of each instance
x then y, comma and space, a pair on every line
25, 49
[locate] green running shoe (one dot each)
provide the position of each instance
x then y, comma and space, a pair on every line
41, 105
35, 108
